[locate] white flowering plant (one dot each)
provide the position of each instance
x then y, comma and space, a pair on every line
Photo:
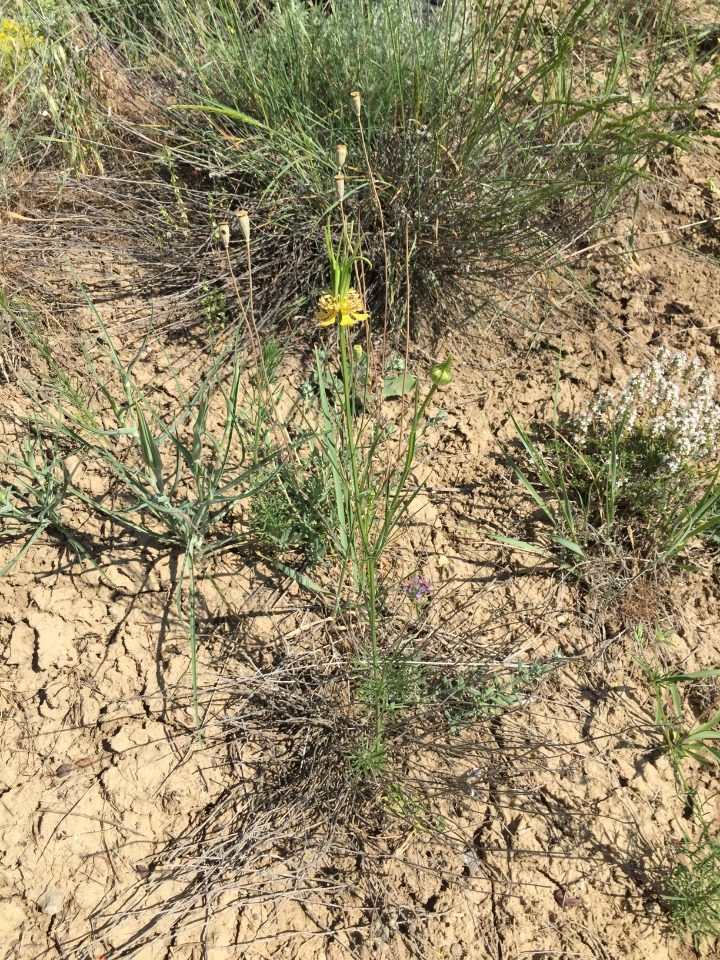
652, 450
666, 418
628, 483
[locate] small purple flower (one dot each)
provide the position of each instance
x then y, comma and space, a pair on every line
418, 588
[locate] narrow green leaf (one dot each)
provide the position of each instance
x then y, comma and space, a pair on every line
299, 577
223, 112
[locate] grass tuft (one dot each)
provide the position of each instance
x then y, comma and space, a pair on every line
495, 135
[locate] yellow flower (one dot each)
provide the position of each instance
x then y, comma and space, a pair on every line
348, 309
16, 39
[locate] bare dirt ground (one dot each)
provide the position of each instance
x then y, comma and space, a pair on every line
556, 821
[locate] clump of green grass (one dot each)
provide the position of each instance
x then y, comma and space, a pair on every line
698, 742
14, 341
32, 501
626, 487
176, 479
492, 133
692, 889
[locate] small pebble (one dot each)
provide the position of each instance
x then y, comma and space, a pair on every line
663, 764
563, 899
456, 951
51, 901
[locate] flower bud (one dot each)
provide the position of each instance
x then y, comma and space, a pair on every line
244, 219
224, 234
29, 455
440, 373
340, 186
340, 155
357, 353
355, 97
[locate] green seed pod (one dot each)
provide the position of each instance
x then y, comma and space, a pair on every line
440, 373
357, 352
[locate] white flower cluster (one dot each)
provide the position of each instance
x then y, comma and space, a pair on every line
670, 404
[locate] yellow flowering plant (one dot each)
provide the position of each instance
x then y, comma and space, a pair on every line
342, 302
371, 497
16, 40
348, 309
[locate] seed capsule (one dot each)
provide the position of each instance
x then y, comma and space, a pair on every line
440, 373
244, 220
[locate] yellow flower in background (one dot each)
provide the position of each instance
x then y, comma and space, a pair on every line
16, 38
348, 309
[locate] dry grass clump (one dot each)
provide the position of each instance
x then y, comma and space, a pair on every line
299, 824
144, 242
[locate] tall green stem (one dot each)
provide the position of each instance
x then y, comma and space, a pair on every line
190, 561
350, 428
363, 520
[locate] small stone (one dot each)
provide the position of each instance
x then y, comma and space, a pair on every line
51, 901
456, 951
563, 618
663, 764
563, 899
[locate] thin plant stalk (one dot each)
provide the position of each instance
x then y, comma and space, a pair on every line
378, 203
362, 520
